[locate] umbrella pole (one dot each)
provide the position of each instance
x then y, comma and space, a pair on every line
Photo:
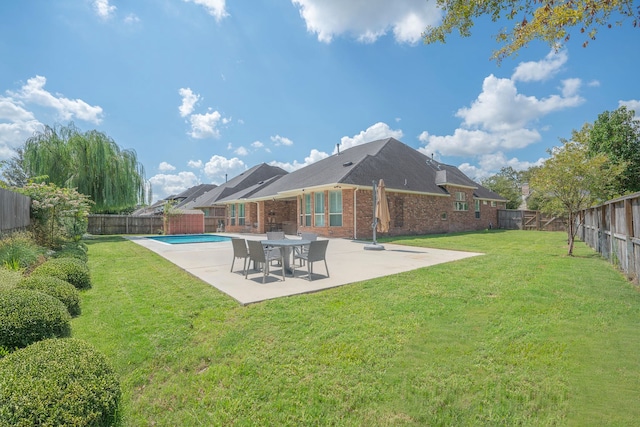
374, 246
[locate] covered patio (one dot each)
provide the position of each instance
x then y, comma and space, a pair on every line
347, 260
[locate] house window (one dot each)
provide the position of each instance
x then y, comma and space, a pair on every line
307, 210
477, 209
398, 218
232, 214
443, 216
318, 209
494, 204
335, 208
461, 202
241, 214
484, 202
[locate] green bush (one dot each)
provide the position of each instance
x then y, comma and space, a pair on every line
58, 382
58, 288
28, 316
19, 251
73, 250
71, 270
9, 279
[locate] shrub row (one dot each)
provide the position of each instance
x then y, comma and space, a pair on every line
58, 382
27, 316
71, 270
58, 288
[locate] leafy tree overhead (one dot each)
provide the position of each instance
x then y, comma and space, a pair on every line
617, 134
91, 162
13, 170
550, 21
507, 183
572, 180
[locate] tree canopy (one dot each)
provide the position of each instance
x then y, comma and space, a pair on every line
572, 180
550, 21
91, 162
508, 184
617, 134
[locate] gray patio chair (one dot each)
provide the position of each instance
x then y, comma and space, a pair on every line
317, 252
240, 251
275, 235
305, 248
261, 255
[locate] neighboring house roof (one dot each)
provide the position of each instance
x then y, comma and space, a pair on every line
192, 193
402, 168
240, 184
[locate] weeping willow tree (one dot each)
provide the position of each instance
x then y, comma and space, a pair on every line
91, 162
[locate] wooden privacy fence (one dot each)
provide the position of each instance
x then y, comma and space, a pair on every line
125, 224
512, 219
14, 211
613, 229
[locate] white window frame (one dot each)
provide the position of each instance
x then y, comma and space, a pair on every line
460, 204
335, 216
318, 209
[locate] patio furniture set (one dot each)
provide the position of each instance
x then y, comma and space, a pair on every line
263, 253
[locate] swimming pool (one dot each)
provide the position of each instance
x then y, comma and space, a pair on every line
178, 239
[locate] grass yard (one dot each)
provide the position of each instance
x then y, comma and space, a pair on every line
523, 335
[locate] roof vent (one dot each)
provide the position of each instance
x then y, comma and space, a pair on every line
345, 164
261, 182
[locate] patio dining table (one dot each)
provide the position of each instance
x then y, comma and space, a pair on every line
286, 245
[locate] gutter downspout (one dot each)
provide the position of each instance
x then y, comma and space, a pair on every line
355, 214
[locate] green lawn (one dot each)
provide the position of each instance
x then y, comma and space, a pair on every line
523, 335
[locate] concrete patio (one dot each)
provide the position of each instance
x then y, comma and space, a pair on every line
348, 262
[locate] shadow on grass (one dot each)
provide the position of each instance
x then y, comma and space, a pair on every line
103, 239
438, 236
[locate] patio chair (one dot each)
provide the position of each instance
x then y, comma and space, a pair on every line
275, 235
317, 252
240, 251
261, 255
304, 248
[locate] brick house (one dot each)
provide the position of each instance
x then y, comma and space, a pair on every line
334, 196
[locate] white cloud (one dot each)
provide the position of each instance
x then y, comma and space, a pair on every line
166, 167
131, 19
215, 8
501, 108
189, 100
490, 164
313, 157
368, 20
194, 164
217, 167
205, 125
632, 104
540, 70
377, 131
465, 142
281, 140
571, 87
257, 144
34, 93
104, 9
241, 151
164, 185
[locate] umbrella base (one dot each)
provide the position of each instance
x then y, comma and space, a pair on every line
374, 247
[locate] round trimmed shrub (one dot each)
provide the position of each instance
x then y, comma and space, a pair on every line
58, 382
58, 288
71, 270
28, 316
9, 279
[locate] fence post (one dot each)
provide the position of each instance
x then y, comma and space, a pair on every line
631, 258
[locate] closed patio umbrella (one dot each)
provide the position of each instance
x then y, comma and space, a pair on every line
382, 209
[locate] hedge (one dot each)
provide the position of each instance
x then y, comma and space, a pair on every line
71, 270
58, 382
58, 288
28, 316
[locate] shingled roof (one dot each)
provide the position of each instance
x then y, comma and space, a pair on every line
402, 168
255, 176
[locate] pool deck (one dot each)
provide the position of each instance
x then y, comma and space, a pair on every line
348, 262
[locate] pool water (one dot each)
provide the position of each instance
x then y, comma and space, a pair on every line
178, 239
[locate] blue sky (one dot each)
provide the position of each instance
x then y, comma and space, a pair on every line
201, 89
